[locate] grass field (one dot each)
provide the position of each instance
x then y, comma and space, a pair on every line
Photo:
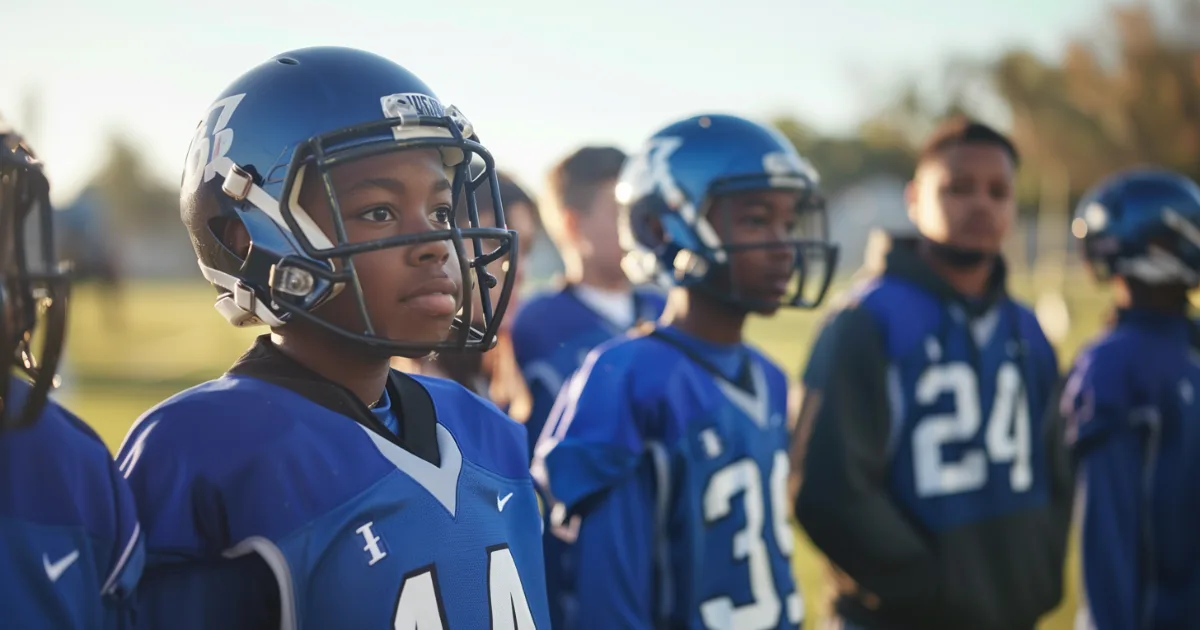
166, 337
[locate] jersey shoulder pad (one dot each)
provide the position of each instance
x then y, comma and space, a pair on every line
204, 462
75, 480
905, 313
486, 436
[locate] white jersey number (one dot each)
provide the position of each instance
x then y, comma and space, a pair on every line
420, 606
1007, 439
743, 477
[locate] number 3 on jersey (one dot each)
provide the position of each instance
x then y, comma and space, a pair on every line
1006, 440
743, 477
419, 605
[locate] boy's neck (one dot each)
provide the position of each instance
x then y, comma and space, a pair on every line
971, 282
1165, 300
704, 317
338, 360
580, 271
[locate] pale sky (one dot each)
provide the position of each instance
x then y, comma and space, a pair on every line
537, 77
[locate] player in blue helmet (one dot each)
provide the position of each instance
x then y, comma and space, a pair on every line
1132, 409
933, 478
70, 547
312, 486
671, 446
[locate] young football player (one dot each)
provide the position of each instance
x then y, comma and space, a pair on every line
932, 477
494, 374
1130, 401
555, 330
312, 486
71, 551
672, 445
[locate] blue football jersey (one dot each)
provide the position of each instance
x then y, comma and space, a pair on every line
358, 531
968, 397
1134, 424
70, 547
675, 453
552, 334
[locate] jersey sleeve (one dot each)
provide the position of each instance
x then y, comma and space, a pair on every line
843, 502
592, 459
613, 568
592, 440
128, 556
1109, 460
188, 583
1094, 400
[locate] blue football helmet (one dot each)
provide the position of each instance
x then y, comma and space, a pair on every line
666, 188
33, 285
317, 108
1142, 223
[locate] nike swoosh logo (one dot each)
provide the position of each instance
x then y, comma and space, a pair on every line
55, 570
502, 501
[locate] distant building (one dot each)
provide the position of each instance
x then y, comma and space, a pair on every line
876, 203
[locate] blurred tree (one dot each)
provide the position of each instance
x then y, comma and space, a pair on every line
137, 199
1124, 95
843, 161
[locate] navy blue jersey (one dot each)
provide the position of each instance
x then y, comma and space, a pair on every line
968, 399
1134, 423
934, 475
357, 530
71, 550
674, 452
552, 334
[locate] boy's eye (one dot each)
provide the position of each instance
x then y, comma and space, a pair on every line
441, 216
378, 214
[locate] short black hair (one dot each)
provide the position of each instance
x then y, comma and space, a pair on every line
959, 130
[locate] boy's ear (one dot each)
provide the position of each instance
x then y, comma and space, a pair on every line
570, 224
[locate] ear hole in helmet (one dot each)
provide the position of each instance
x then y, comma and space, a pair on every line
645, 221
231, 233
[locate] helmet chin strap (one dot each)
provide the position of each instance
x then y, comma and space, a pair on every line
958, 257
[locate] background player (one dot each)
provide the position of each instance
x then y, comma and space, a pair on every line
932, 477
672, 445
312, 486
1130, 400
554, 331
71, 551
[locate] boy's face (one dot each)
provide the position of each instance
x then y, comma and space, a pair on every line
596, 230
413, 292
964, 197
757, 228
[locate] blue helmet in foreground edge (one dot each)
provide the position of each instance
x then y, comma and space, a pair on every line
1143, 224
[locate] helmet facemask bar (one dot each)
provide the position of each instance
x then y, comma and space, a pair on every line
334, 262
33, 292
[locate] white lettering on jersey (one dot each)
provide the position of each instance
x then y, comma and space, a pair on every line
372, 541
